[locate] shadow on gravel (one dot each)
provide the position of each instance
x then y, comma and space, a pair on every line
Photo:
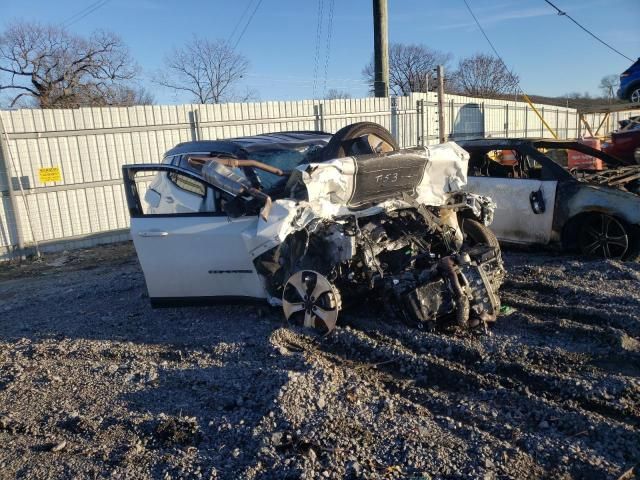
491, 398
203, 377
215, 409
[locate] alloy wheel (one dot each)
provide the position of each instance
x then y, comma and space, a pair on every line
604, 236
311, 300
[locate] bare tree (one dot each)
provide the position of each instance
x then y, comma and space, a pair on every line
411, 68
336, 94
208, 70
49, 67
483, 75
608, 85
127, 96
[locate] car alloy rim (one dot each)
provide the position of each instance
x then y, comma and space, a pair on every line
635, 96
310, 299
604, 236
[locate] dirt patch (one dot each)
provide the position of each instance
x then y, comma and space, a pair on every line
94, 383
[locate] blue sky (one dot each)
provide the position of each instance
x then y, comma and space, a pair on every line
551, 55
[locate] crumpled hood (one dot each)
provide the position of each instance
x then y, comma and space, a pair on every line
430, 174
367, 185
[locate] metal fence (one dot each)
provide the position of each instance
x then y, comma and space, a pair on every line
60, 177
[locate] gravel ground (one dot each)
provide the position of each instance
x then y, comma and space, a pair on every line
96, 384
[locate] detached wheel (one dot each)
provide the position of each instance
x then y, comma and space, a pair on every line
476, 233
309, 299
359, 139
604, 236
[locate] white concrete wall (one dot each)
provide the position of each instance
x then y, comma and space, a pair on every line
91, 144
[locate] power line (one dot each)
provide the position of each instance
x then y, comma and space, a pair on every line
318, 40
240, 21
485, 35
565, 14
247, 24
306, 80
518, 88
328, 52
72, 17
84, 12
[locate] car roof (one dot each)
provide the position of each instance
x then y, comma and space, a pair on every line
265, 141
506, 143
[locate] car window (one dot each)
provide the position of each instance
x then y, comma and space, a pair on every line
493, 163
504, 163
187, 184
282, 159
174, 193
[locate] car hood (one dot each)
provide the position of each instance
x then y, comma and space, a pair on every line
364, 185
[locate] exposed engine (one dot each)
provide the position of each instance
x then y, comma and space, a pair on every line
412, 261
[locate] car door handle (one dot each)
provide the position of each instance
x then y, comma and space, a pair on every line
536, 199
168, 199
153, 234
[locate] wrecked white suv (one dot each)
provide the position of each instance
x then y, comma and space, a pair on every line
312, 221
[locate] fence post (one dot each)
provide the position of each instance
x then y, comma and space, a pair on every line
420, 123
194, 123
506, 120
451, 135
318, 112
4, 155
426, 136
394, 119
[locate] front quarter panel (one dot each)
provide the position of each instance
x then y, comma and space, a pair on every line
591, 198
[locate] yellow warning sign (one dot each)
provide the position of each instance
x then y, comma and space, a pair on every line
50, 174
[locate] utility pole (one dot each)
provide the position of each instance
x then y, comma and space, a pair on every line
441, 125
380, 49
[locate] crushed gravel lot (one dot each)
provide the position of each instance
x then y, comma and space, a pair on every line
96, 384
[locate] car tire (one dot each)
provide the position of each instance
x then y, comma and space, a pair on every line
605, 236
476, 233
342, 141
634, 96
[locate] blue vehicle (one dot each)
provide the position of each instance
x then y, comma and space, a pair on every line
630, 83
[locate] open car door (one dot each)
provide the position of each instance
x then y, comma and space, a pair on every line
190, 257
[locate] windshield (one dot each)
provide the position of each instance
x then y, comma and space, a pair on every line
283, 159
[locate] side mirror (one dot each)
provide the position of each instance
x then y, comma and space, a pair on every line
536, 199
